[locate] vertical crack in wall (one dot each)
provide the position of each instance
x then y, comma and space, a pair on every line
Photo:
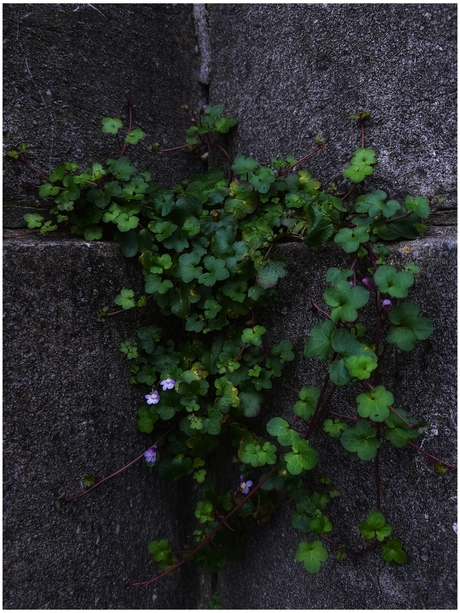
200, 17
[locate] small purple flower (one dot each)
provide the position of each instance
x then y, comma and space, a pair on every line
386, 305
153, 397
244, 485
367, 283
167, 384
151, 454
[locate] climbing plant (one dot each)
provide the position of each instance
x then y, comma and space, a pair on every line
205, 248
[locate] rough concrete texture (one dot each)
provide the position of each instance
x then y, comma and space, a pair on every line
290, 72
69, 411
418, 503
66, 66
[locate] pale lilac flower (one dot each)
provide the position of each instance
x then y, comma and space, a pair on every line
167, 384
151, 454
386, 305
244, 485
153, 397
367, 283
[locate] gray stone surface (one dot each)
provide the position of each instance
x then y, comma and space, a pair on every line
69, 411
290, 72
66, 66
419, 504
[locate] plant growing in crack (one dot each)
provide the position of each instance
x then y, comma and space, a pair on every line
205, 248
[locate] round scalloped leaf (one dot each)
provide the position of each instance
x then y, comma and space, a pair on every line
375, 405
390, 281
312, 555
362, 440
111, 125
270, 272
408, 326
392, 551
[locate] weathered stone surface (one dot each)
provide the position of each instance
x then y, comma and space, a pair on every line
290, 72
66, 66
69, 411
418, 503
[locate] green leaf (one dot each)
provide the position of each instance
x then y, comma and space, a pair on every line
375, 405
303, 457
217, 271
392, 551
242, 165
261, 179
339, 373
334, 428
135, 136
148, 338
156, 285
93, 233
390, 281
111, 125
319, 344
351, 238
47, 190
361, 366
420, 206
180, 302
374, 204
147, 418
270, 272
404, 227
253, 335
284, 350
257, 455
319, 229
375, 527
408, 326
345, 300
361, 439
159, 550
187, 268
250, 400
279, 427
306, 406
312, 555
125, 299
364, 156
34, 220
398, 432
223, 124
358, 172
122, 168
127, 242
320, 524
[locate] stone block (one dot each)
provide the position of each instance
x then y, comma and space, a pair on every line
290, 72
69, 411
67, 66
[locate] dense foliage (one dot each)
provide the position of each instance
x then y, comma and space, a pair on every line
206, 252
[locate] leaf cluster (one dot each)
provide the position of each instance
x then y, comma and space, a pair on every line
205, 250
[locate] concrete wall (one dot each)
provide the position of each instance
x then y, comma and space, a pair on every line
67, 66
288, 72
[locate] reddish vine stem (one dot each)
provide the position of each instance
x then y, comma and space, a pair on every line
208, 538
432, 457
320, 146
115, 473
23, 234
